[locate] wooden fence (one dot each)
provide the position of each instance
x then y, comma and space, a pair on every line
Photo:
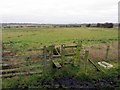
47, 60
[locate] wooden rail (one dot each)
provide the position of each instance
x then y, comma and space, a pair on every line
49, 58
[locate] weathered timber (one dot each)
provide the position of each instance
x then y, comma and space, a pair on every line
107, 52
77, 53
86, 60
44, 60
19, 74
62, 54
98, 69
57, 64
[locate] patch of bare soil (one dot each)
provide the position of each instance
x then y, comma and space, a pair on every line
72, 82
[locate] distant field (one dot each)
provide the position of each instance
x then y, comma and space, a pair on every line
36, 37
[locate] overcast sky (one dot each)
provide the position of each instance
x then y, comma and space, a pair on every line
59, 11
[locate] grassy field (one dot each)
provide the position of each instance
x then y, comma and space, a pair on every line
36, 37
30, 38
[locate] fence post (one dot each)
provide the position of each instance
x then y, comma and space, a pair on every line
86, 60
107, 50
51, 57
77, 53
44, 59
62, 54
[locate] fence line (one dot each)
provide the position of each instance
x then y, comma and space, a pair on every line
88, 40
48, 55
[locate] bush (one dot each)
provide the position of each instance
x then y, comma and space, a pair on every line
88, 25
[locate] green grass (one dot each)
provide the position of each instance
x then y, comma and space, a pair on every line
36, 81
36, 37
25, 38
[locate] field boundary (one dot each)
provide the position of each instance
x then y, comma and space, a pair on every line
48, 60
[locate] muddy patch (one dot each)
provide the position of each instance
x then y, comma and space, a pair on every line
72, 82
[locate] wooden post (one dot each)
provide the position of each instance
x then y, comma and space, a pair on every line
51, 57
107, 50
44, 59
62, 54
77, 53
86, 60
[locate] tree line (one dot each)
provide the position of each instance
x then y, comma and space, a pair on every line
101, 25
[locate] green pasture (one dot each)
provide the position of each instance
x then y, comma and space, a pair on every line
36, 37
30, 38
